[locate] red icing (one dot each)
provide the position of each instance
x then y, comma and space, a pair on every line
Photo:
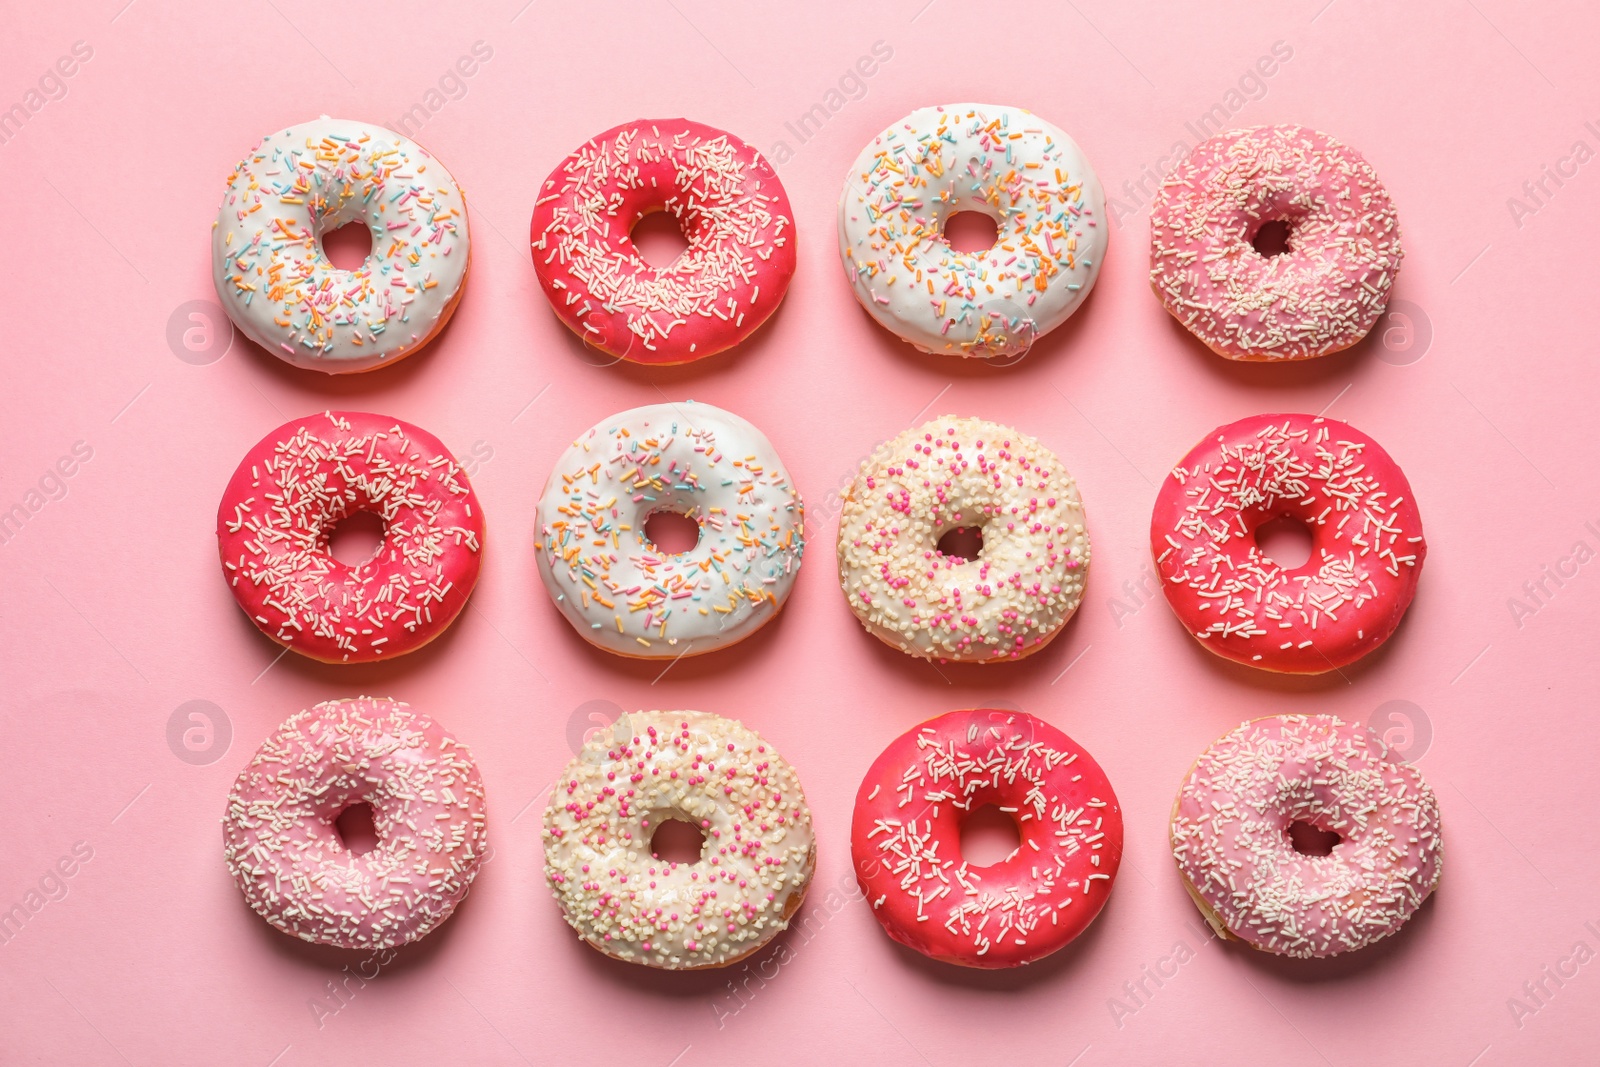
1366, 543
906, 838
731, 208
290, 491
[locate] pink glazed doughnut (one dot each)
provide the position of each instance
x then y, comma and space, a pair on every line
1320, 296
1366, 543
427, 807
731, 208
295, 486
1231, 836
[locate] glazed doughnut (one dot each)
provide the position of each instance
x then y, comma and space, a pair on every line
731, 208
627, 596
1004, 162
1330, 286
714, 773
905, 838
427, 808
1366, 543
1230, 836
955, 472
295, 486
278, 286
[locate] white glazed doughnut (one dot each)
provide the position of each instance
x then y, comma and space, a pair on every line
621, 592
756, 862
427, 806
279, 287
1004, 162
953, 472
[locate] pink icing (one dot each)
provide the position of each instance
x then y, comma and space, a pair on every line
1230, 836
1320, 296
427, 806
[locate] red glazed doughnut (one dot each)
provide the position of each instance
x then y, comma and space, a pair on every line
906, 838
294, 487
731, 208
1366, 543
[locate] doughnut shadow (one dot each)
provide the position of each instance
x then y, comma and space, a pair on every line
1281, 682
710, 982
1042, 355
331, 963
973, 678
685, 670
1052, 972
1390, 952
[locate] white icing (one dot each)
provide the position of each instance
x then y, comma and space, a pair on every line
954, 472
1023, 172
280, 288
626, 596
756, 861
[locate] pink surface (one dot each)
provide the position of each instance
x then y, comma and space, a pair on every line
113, 616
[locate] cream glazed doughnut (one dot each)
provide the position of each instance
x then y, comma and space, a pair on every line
621, 592
1009, 164
1367, 547
757, 859
1324, 293
731, 208
427, 804
955, 472
279, 287
905, 838
1231, 836
297, 484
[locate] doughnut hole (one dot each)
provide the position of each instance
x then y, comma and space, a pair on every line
356, 829
356, 538
989, 836
1271, 238
971, 232
671, 533
1310, 840
349, 246
659, 238
677, 840
964, 543
1286, 541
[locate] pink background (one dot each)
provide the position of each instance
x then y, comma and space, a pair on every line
113, 613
